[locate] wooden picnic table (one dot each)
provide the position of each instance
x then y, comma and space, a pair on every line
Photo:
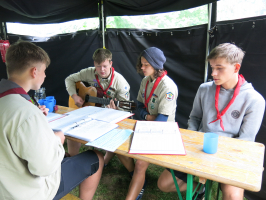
237, 162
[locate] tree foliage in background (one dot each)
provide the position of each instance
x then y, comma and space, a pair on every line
226, 10
178, 19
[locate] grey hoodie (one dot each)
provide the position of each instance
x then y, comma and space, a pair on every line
243, 118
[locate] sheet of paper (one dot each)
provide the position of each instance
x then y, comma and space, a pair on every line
111, 140
111, 115
92, 112
53, 116
157, 138
144, 143
91, 130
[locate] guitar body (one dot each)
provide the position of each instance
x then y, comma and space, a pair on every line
82, 91
94, 97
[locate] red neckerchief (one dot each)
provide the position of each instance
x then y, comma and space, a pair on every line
14, 91
112, 78
152, 90
240, 82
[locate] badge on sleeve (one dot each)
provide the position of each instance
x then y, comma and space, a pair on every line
126, 95
169, 96
95, 84
126, 88
152, 106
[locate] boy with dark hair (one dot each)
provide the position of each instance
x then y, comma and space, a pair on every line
32, 155
105, 79
228, 106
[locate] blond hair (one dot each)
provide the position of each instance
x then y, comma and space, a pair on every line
230, 52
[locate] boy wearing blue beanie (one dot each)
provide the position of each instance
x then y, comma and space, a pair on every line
156, 102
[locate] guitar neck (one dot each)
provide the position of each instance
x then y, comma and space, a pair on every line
127, 105
98, 100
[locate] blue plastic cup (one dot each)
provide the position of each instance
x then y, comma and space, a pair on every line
210, 144
51, 98
41, 102
49, 104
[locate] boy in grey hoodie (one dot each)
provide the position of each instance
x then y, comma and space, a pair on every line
228, 106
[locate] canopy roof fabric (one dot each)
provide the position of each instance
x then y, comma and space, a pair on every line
140, 7
55, 11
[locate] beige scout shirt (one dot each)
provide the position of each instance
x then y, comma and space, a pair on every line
163, 100
31, 154
119, 88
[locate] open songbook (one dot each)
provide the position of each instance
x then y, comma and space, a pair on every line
152, 137
87, 123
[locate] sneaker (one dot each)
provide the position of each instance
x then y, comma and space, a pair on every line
141, 192
200, 194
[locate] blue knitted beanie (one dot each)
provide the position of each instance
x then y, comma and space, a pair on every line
155, 57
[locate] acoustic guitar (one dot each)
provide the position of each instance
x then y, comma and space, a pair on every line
93, 97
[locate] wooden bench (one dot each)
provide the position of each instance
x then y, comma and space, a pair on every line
70, 197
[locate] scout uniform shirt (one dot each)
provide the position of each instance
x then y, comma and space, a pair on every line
119, 88
163, 100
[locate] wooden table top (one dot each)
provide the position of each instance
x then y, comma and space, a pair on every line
237, 162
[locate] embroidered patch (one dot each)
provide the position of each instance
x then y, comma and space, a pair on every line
95, 84
152, 106
155, 95
235, 114
142, 95
94, 80
153, 100
110, 88
108, 92
169, 96
126, 88
126, 95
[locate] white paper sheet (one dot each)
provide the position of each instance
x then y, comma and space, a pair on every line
91, 130
111, 140
152, 137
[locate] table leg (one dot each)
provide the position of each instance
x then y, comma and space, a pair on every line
176, 185
189, 187
208, 189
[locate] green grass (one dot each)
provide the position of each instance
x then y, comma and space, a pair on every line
116, 179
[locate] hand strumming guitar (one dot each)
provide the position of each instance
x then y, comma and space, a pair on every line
112, 105
78, 100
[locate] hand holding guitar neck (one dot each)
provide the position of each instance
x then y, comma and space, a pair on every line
112, 104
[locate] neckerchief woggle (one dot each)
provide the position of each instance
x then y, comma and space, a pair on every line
240, 82
112, 78
152, 90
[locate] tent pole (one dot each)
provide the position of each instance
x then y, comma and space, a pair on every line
3, 31
103, 33
208, 41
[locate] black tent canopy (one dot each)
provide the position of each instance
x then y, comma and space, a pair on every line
55, 11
